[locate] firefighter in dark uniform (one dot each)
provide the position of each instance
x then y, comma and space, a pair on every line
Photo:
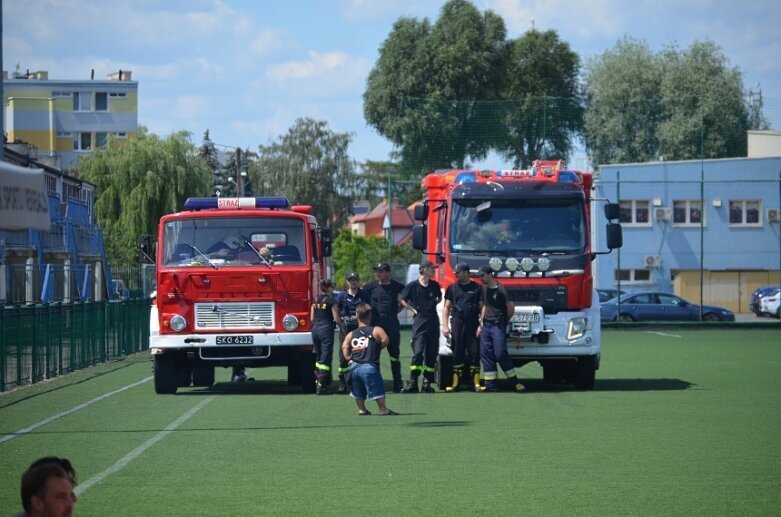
459, 323
324, 313
421, 296
495, 312
383, 296
349, 300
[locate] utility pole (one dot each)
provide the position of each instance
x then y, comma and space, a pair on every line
239, 190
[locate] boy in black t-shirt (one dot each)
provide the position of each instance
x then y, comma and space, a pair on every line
362, 348
421, 296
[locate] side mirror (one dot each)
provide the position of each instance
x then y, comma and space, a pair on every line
419, 213
615, 237
419, 237
612, 211
325, 235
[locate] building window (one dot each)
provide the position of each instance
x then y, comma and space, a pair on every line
82, 101
635, 212
114, 95
101, 101
59, 95
101, 139
122, 135
745, 212
64, 134
82, 142
633, 276
687, 212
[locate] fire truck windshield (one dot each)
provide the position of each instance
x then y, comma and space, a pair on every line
512, 225
236, 241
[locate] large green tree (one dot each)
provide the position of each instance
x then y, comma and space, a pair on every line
422, 69
545, 113
311, 166
140, 181
672, 104
360, 254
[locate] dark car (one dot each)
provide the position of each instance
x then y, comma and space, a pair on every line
658, 306
755, 301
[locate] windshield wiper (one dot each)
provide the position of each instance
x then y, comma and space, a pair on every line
263, 259
201, 254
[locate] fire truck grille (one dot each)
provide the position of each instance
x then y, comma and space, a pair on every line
210, 316
552, 300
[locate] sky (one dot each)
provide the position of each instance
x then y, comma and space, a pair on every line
245, 70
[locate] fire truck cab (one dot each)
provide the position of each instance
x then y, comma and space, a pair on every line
235, 281
532, 227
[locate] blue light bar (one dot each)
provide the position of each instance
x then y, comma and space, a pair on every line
227, 203
568, 177
465, 177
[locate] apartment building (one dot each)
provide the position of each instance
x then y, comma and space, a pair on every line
67, 119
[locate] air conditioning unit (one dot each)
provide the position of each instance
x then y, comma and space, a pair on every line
653, 261
663, 213
773, 215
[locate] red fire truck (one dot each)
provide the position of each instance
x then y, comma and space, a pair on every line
532, 227
235, 280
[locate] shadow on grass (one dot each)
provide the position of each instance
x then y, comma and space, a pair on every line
122, 363
615, 385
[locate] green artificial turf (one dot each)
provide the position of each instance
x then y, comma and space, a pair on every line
680, 422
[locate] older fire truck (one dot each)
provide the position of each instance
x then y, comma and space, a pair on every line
532, 227
235, 281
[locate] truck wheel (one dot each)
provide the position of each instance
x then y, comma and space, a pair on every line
444, 371
294, 374
165, 375
184, 375
203, 375
585, 373
307, 368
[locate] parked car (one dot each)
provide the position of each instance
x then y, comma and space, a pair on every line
608, 294
756, 298
770, 303
658, 306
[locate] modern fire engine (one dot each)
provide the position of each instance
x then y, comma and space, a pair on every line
235, 281
532, 227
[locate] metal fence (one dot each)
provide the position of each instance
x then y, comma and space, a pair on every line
39, 342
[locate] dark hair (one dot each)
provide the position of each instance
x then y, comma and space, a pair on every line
34, 481
62, 462
364, 313
325, 284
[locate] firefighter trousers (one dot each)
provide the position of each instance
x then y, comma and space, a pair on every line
425, 347
493, 350
323, 341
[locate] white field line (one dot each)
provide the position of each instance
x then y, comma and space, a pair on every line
138, 451
661, 333
11, 436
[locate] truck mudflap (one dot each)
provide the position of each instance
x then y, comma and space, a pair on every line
249, 340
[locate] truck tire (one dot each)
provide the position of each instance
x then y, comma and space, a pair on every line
184, 375
552, 372
307, 368
585, 373
294, 373
444, 371
165, 375
203, 375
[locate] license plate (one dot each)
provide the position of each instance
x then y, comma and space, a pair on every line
532, 317
235, 340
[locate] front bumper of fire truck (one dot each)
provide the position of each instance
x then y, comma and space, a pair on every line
532, 334
249, 340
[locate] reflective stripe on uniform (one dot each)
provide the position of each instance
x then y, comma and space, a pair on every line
393, 359
416, 368
429, 368
491, 376
322, 366
344, 370
510, 372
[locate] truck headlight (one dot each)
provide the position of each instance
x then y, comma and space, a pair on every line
576, 328
511, 264
178, 323
290, 322
543, 263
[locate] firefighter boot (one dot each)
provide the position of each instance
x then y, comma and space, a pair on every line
476, 378
411, 387
516, 384
342, 389
455, 386
427, 387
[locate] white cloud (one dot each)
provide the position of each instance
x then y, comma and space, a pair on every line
317, 65
587, 18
